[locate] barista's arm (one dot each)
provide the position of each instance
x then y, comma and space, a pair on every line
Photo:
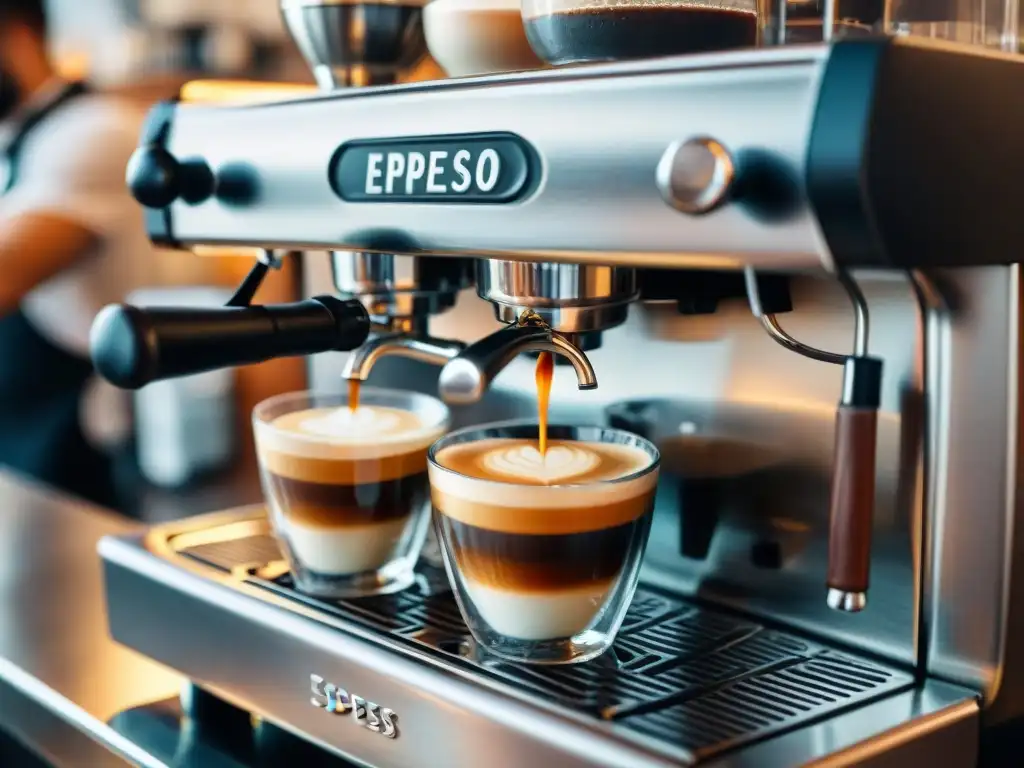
35, 246
70, 196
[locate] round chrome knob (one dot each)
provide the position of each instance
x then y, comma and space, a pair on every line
696, 176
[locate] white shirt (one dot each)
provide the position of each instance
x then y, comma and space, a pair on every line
72, 164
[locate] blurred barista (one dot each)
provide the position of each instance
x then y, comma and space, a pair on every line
71, 240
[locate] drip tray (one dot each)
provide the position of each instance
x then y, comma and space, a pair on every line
695, 681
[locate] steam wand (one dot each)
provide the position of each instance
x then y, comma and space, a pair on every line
853, 464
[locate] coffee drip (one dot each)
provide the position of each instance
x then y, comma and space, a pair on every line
545, 374
353, 394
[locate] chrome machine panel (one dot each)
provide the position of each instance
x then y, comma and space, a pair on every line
278, 192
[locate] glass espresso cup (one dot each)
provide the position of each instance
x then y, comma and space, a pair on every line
543, 553
347, 490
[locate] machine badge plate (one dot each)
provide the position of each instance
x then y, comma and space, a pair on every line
480, 168
336, 700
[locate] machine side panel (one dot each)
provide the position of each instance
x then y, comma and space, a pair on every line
972, 609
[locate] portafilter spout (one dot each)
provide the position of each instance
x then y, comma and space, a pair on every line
465, 379
426, 349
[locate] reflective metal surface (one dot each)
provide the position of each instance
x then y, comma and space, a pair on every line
696, 176
422, 348
939, 728
851, 602
570, 298
975, 626
683, 686
354, 43
467, 377
770, 322
392, 286
62, 678
733, 97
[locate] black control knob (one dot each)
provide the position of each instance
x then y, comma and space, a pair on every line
132, 346
157, 179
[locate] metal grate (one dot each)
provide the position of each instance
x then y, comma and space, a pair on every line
690, 634
758, 705
234, 553
699, 680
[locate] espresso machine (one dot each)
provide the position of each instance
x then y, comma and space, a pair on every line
721, 247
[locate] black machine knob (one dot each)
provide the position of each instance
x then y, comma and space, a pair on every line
157, 179
132, 347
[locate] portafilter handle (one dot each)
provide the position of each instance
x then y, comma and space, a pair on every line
133, 346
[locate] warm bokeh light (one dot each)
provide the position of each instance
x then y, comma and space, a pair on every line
241, 91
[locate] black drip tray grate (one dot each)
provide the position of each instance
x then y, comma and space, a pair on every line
758, 705
699, 680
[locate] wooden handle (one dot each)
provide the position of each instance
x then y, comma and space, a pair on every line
852, 505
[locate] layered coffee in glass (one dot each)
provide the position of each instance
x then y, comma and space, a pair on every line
543, 551
347, 486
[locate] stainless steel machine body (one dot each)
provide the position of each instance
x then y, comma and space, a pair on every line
732, 656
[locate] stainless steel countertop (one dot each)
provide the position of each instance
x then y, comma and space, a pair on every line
62, 679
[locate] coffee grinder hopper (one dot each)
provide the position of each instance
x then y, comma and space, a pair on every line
355, 43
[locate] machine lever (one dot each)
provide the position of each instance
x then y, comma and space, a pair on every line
132, 346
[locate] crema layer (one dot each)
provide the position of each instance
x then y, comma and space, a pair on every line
338, 434
334, 446
473, 493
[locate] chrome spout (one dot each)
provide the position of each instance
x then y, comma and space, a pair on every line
426, 349
465, 379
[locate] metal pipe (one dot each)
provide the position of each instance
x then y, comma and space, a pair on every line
467, 377
423, 348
